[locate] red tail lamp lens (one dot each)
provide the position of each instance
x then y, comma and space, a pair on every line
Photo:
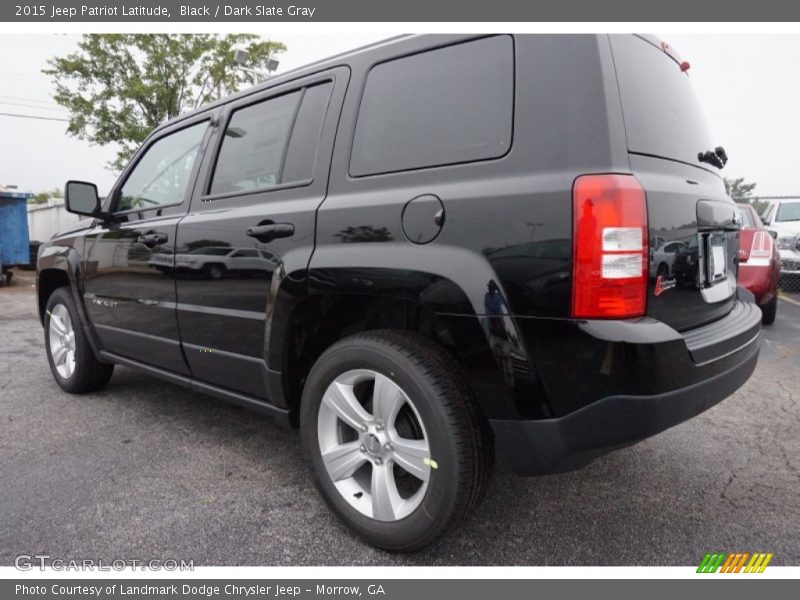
610, 256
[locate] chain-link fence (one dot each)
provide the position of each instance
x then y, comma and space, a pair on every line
789, 284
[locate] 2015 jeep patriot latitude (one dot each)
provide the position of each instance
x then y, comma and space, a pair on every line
419, 251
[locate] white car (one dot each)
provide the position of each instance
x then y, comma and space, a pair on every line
663, 257
783, 217
214, 261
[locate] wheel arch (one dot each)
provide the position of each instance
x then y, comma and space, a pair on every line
57, 267
312, 309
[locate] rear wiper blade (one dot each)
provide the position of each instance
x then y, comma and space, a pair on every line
718, 157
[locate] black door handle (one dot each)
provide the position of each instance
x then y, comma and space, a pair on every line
266, 232
152, 238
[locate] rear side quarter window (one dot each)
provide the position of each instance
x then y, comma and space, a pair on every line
445, 106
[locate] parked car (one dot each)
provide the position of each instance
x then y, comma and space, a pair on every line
214, 262
460, 226
783, 217
759, 263
663, 257
685, 264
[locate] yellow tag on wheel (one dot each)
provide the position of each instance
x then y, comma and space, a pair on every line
430, 462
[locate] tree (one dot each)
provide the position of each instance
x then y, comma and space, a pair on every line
118, 87
43, 197
39, 198
739, 190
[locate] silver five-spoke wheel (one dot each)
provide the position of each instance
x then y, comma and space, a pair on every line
62, 341
374, 445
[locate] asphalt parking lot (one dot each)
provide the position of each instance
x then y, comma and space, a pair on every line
144, 469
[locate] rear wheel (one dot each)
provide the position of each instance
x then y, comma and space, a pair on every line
769, 310
71, 359
393, 437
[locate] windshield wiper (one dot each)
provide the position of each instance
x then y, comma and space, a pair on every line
717, 157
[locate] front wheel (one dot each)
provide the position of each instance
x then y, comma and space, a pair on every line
394, 439
71, 359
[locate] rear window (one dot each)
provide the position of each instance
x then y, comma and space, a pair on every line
445, 106
661, 111
788, 211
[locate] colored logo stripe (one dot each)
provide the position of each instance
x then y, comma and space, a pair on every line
733, 563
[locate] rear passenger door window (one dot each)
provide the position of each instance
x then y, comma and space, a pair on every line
271, 143
445, 106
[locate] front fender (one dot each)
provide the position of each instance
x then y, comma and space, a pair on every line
64, 257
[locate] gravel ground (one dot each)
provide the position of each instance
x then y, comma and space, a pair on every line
145, 469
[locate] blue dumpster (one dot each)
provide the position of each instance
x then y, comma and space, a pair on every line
14, 250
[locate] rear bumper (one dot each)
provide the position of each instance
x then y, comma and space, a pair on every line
719, 359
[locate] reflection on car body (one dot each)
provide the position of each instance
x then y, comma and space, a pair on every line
663, 257
214, 262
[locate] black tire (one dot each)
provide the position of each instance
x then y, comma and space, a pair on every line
460, 438
213, 271
769, 310
89, 374
663, 270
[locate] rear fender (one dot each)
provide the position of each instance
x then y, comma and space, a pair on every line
457, 285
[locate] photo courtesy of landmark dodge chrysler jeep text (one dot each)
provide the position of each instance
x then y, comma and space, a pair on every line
420, 251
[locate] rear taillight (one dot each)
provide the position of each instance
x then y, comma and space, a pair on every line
760, 252
610, 257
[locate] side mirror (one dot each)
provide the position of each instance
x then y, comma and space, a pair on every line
773, 233
81, 198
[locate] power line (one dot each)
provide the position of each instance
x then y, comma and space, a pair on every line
20, 116
31, 106
23, 98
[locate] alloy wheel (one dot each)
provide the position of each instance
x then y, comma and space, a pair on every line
62, 341
374, 445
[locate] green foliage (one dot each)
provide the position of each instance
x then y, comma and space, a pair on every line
43, 197
364, 233
118, 87
39, 198
760, 206
739, 190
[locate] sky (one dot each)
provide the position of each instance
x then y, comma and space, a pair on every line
748, 85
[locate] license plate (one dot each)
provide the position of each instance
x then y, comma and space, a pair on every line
717, 265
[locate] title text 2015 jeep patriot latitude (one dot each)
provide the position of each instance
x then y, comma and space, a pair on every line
419, 251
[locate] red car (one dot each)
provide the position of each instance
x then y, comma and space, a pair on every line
759, 263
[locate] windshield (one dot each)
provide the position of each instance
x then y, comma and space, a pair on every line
788, 211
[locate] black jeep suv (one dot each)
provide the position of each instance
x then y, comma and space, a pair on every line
419, 251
